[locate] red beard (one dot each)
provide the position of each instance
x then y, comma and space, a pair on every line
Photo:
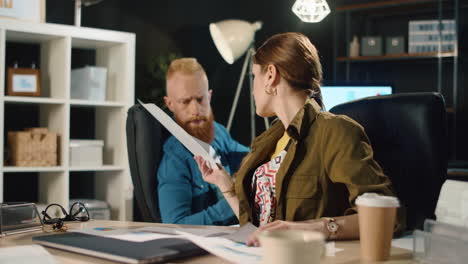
204, 132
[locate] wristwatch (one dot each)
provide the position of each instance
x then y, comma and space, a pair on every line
332, 226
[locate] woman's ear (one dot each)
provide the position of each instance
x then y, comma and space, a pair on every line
273, 76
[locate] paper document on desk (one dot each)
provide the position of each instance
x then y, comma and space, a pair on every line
238, 252
148, 233
197, 147
452, 206
405, 242
202, 231
133, 235
242, 233
26, 254
222, 247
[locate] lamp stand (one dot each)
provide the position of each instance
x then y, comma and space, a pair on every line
247, 62
77, 13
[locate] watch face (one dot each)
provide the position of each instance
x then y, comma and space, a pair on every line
332, 227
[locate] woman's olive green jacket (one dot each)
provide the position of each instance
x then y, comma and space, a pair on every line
329, 163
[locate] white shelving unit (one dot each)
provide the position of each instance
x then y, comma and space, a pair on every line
115, 51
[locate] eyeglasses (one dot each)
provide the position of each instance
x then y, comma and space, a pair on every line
78, 212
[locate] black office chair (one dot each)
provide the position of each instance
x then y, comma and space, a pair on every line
145, 137
408, 133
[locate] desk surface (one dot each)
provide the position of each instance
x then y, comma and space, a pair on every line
348, 256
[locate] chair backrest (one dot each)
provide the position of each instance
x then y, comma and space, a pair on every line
145, 138
408, 133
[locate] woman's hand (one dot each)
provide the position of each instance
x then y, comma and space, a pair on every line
311, 225
217, 176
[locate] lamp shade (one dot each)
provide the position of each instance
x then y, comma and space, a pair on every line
233, 37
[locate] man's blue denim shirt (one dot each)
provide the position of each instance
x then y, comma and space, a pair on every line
184, 197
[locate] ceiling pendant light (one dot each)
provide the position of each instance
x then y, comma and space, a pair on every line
311, 11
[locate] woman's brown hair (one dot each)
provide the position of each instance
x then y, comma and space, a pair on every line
296, 59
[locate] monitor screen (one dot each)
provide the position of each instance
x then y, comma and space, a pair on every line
338, 94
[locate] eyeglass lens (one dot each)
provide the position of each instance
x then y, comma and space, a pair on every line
79, 212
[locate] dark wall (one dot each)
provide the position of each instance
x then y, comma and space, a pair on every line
182, 26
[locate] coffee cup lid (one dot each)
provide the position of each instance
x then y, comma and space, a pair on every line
292, 236
375, 200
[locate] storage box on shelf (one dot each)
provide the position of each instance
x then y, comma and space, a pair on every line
115, 52
86, 153
89, 83
394, 45
424, 36
32, 147
371, 46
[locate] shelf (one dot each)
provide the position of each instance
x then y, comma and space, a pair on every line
91, 44
61, 114
32, 100
78, 102
32, 169
395, 8
99, 168
381, 4
27, 37
402, 56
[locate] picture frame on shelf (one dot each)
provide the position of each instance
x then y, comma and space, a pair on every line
29, 10
23, 82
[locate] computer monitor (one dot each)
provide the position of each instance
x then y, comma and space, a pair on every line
338, 94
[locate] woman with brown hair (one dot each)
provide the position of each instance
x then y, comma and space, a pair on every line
306, 171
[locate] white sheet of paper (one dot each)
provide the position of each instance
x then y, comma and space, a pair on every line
202, 231
26, 254
227, 249
242, 233
185, 138
452, 206
133, 235
405, 242
236, 252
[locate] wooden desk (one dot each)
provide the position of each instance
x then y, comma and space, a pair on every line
348, 256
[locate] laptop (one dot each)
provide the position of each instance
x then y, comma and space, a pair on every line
153, 251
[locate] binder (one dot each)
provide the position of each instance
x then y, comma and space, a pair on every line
153, 251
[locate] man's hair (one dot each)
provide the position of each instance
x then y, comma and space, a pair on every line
185, 66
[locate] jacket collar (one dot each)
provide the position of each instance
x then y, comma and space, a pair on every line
298, 127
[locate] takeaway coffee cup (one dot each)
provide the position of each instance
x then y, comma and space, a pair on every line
292, 246
377, 215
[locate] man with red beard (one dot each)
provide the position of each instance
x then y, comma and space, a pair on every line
184, 197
